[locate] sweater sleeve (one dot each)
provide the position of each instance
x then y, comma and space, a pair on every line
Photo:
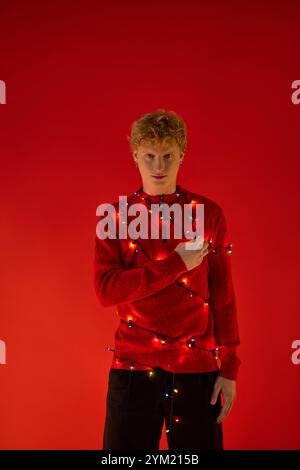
222, 299
115, 285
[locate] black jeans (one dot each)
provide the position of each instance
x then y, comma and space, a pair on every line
137, 404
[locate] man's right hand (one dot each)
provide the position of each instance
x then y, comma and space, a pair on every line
192, 258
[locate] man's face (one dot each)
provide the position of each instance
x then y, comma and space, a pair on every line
158, 159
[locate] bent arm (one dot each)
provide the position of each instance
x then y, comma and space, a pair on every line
115, 285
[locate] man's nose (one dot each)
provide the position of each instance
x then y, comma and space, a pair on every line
159, 164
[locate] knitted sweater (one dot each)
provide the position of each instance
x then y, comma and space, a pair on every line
169, 317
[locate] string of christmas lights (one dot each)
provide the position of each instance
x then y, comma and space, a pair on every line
162, 339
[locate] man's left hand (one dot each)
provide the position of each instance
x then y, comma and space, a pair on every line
227, 388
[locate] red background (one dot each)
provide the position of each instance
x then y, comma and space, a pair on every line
77, 75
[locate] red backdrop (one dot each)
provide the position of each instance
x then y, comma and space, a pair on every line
77, 74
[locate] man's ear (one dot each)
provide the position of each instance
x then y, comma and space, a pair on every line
135, 158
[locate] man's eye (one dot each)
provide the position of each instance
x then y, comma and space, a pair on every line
169, 155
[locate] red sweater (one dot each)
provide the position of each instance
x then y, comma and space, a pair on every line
179, 320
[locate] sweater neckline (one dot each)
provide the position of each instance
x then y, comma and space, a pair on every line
166, 198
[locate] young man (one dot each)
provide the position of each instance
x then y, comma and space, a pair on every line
175, 346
